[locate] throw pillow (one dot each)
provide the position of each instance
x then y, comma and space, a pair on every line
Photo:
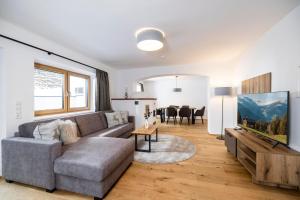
113, 119
68, 132
47, 131
119, 117
124, 116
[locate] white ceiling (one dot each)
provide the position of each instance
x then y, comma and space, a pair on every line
197, 31
172, 77
168, 77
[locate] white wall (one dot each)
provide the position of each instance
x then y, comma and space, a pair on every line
278, 51
219, 74
18, 69
194, 91
2, 101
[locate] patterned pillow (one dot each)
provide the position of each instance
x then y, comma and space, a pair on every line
47, 131
113, 119
124, 116
118, 115
68, 132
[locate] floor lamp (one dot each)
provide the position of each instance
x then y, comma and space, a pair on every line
222, 91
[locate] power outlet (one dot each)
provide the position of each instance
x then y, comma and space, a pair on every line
18, 110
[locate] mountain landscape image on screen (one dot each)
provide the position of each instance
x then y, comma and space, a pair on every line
265, 114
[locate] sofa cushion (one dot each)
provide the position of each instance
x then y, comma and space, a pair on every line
89, 123
103, 118
124, 116
113, 119
47, 131
115, 131
93, 158
68, 132
26, 130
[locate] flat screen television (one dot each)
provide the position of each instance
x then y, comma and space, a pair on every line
265, 114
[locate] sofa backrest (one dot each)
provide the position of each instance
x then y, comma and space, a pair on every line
26, 130
91, 123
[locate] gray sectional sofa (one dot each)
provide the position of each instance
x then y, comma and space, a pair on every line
90, 166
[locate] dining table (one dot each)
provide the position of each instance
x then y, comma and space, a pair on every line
162, 113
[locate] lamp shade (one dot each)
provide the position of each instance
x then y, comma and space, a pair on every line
223, 91
177, 90
149, 39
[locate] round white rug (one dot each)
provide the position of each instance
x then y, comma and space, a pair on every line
168, 149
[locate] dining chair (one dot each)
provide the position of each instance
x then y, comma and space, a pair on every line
172, 112
200, 113
185, 112
174, 106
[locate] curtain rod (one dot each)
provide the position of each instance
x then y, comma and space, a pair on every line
48, 52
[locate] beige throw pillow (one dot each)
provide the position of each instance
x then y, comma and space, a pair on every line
124, 116
47, 131
68, 132
119, 117
113, 119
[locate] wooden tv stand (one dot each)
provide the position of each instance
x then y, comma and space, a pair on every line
279, 166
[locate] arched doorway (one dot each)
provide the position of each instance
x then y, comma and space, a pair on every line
193, 90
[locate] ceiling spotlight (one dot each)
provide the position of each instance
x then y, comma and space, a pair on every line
149, 39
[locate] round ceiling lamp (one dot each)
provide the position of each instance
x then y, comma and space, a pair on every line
149, 39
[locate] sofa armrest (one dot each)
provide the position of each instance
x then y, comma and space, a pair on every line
30, 161
131, 119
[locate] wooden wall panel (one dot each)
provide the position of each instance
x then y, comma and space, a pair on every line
268, 82
258, 84
261, 84
245, 87
250, 86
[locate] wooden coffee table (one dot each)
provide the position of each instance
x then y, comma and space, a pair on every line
146, 132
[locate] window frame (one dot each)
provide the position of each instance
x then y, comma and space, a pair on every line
88, 78
66, 91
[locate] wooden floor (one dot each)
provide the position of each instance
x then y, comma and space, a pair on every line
211, 174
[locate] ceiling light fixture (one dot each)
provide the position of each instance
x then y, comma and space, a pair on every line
149, 39
177, 89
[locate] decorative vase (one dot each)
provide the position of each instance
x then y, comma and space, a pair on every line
146, 124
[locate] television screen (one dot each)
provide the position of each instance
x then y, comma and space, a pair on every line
265, 114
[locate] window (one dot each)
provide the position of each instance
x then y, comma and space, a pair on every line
59, 91
139, 87
78, 91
